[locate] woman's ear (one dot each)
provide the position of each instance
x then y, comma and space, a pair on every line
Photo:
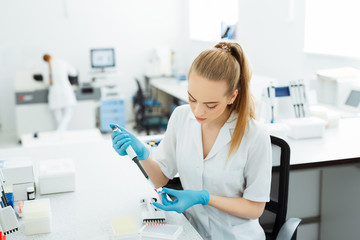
233, 96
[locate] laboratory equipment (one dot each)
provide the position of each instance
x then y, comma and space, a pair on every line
8, 220
20, 190
302, 96
349, 96
112, 108
20, 175
168, 231
271, 96
309, 127
294, 94
151, 215
37, 216
124, 228
30, 191
298, 97
292, 112
10, 198
19, 209
31, 102
2, 194
102, 58
56, 175
17, 171
330, 116
286, 101
112, 111
330, 84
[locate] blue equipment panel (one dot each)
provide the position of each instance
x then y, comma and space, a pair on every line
112, 111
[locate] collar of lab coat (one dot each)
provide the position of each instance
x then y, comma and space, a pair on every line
222, 139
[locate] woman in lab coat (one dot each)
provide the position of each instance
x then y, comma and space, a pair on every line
61, 96
221, 153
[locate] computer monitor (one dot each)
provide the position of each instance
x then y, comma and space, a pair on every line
102, 58
353, 99
349, 96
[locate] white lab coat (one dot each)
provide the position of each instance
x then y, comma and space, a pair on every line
61, 94
247, 173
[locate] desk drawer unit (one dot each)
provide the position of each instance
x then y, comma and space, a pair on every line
112, 111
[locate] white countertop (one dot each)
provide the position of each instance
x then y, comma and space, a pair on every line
171, 86
107, 186
337, 145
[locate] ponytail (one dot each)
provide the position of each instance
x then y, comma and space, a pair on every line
243, 104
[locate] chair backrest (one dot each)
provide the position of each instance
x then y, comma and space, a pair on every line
138, 105
275, 211
139, 96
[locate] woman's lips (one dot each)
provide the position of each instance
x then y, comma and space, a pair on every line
200, 119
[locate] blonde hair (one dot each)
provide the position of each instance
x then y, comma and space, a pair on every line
227, 62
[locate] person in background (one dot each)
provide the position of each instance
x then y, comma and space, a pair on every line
61, 96
221, 153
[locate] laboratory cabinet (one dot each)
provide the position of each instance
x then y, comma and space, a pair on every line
112, 111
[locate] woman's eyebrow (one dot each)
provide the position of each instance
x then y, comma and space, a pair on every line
204, 102
190, 95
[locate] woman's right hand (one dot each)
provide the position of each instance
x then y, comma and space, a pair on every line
122, 140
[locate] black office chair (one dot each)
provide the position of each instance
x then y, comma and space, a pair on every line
273, 220
149, 115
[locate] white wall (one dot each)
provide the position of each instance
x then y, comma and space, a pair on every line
274, 41
191, 48
68, 29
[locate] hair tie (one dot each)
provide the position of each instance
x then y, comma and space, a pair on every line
224, 47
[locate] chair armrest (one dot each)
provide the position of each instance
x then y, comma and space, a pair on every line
288, 229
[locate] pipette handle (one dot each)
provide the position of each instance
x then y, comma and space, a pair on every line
129, 150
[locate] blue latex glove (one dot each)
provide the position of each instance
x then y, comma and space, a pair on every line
121, 140
185, 199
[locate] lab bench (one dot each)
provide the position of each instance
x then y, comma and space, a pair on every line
107, 186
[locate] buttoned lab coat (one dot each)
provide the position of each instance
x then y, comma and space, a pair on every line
61, 94
247, 173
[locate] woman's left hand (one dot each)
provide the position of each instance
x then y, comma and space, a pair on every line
185, 199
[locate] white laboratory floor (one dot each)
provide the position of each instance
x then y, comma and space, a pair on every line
9, 139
